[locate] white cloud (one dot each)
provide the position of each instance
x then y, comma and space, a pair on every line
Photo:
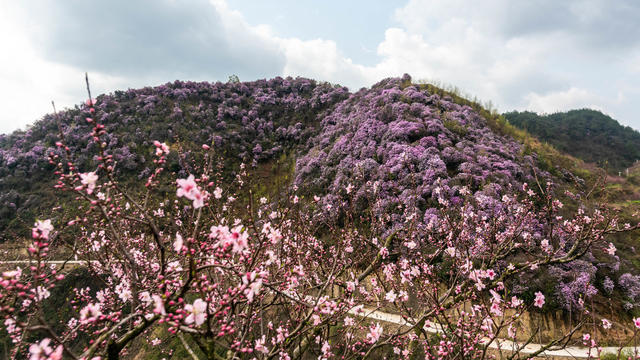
30, 83
317, 58
520, 56
555, 101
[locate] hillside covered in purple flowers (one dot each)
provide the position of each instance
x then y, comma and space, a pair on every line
251, 122
397, 144
397, 150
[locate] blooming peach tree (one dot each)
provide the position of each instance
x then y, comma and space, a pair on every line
234, 276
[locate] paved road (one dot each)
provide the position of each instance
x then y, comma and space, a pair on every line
570, 352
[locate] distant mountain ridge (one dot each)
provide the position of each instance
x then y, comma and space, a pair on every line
586, 134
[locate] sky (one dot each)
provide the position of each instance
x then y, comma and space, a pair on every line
538, 55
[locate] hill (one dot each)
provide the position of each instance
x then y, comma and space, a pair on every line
586, 134
395, 151
400, 135
251, 122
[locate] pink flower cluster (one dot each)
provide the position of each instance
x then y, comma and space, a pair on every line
189, 189
161, 148
235, 239
43, 351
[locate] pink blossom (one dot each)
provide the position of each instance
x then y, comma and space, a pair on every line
451, 251
480, 285
374, 333
158, 305
253, 285
391, 296
90, 312
260, 345
636, 322
606, 324
326, 349
161, 148
611, 250
197, 312
539, 300
41, 293
274, 235
239, 239
177, 245
10, 325
411, 244
89, 179
282, 334
145, 297
490, 274
349, 188
496, 309
12, 274
515, 302
123, 291
189, 189
57, 353
42, 351
495, 297
186, 187
42, 229
348, 321
198, 200
546, 247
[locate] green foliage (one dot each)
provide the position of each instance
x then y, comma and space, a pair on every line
625, 354
586, 134
455, 127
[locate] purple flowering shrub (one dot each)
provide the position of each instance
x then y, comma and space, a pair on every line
575, 283
630, 285
393, 145
251, 122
